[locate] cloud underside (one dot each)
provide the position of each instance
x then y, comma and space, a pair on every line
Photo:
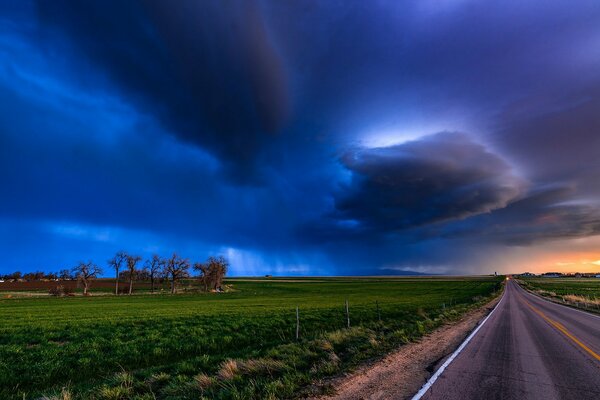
251, 125
437, 178
210, 85
448, 186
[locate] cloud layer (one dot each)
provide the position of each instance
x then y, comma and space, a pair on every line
219, 84
319, 136
437, 178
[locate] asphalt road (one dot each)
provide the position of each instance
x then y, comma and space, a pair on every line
529, 348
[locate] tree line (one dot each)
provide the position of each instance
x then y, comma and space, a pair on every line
34, 276
128, 269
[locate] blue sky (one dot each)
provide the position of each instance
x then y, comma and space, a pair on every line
302, 137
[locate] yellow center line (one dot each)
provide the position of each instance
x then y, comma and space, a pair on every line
564, 330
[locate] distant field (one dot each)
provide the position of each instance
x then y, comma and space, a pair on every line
589, 287
178, 346
100, 285
581, 293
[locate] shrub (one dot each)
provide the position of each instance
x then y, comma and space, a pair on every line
60, 290
55, 291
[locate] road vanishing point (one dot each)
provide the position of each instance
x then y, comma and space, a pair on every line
528, 348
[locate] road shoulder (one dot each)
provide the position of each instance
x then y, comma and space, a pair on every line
400, 374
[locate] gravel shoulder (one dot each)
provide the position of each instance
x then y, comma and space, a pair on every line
400, 374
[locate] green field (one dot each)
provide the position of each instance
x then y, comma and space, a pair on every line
178, 346
587, 287
577, 292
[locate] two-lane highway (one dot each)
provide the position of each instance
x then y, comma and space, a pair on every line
529, 348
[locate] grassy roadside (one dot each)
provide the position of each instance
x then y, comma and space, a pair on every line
236, 345
450, 321
582, 294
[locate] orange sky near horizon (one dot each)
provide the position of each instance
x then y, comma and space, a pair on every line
559, 255
566, 256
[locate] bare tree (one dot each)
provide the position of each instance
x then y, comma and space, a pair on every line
204, 274
86, 273
175, 269
15, 276
52, 276
212, 272
218, 269
154, 266
116, 263
131, 263
65, 275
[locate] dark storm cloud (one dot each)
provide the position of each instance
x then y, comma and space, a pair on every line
425, 60
436, 178
208, 70
125, 114
546, 214
562, 144
138, 178
447, 187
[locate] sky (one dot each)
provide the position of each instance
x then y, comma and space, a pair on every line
302, 137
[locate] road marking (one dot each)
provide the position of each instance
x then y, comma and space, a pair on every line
437, 374
564, 330
537, 296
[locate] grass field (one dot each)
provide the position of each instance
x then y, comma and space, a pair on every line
587, 287
239, 344
579, 292
99, 285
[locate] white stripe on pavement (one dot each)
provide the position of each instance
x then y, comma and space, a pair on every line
437, 374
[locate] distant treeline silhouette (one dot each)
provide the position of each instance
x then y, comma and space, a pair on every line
173, 269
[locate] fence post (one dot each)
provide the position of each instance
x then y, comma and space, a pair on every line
347, 314
297, 323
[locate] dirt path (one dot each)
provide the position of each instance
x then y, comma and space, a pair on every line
402, 373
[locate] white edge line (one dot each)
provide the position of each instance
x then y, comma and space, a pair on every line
439, 372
